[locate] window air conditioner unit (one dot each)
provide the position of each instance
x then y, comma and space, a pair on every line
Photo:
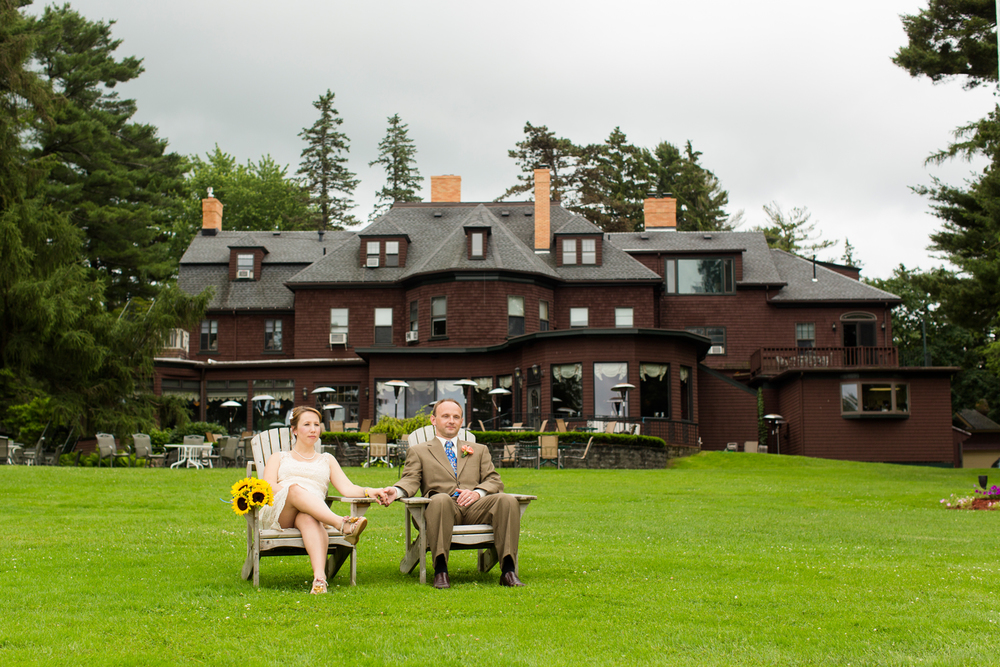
372, 263
411, 337
338, 339
716, 349
244, 273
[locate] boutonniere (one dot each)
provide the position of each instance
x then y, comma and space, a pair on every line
466, 451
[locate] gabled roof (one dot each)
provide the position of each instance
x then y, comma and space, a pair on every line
976, 421
280, 248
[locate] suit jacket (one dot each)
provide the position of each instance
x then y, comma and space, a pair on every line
428, 470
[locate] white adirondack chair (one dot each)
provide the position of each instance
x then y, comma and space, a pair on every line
472, 536
266, 542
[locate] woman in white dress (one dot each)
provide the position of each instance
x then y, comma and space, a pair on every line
300, 479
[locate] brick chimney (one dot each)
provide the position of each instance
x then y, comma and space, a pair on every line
211, 215
446, 188
660, 213
542, 199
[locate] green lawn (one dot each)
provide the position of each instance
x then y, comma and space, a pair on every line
726, 559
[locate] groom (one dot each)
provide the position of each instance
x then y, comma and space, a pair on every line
464, 488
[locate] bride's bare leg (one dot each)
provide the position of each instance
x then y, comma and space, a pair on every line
315, 540
301, 501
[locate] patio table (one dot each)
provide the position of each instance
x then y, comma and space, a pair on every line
189, 454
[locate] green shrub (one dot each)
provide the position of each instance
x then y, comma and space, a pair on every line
606, 439
195, 428
398, 429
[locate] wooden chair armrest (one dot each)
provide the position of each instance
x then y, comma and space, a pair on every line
353, 501
524, 498
415, 501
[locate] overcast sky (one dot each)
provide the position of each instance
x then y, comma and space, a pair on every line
788, 100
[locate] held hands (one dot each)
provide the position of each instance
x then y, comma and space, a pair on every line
385, 496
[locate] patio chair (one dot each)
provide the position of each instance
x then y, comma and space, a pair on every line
366, 425
582, 458
144, 450
544, 425
548, 450
107, 448
561, 426
4, 450
351, 427
337, 426
378, 449
263, 542
610, 428
732, 447
508, 455
472, 536
227, 450
750, 446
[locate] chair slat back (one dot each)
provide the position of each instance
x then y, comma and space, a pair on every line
337, 426
426, 433
366, 426
610, 428
549, 445
105, 444
266, 443
561, 425
378, 445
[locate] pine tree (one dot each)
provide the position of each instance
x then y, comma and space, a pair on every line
541, 146
848, 257
324, 167
614, 181
397, 155
112, 176
701, 201
792, 231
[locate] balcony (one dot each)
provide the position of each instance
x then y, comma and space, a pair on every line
775, 360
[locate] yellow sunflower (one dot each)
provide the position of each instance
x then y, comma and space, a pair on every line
240, 505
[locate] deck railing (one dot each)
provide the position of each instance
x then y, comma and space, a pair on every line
774, 360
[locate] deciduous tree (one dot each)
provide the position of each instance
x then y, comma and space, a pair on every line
324, 169
791, 231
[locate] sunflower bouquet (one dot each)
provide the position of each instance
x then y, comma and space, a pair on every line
251, 492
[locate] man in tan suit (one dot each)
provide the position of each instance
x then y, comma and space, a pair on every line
464, 488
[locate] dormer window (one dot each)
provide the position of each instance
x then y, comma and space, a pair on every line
579, 251
392, 253
569, 251
477, 236
244, 267
588, 251
373, 253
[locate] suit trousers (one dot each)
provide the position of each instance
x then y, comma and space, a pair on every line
500, 510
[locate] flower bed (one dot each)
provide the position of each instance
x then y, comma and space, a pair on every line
979, 500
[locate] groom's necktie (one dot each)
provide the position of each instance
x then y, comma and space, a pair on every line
449, 449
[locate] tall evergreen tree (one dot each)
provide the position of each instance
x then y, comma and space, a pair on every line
614, 181
324, 167
397, 155
952, 38
112, 176
701, 201
541, 146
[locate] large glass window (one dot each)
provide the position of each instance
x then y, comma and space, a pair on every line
588, 251
699, 276
567, 390
276, 410
859, 329
338, 326
439, 316
383, 326
805, 334
482, 402
392, 253
716, 334
543, 315
623, 318
608, 402
209, 335
654, 389
569, 251
857, 398
579, 317
515, 315
419, 397
272, 335
187, 390
341, 404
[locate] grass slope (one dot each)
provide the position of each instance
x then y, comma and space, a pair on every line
724, 559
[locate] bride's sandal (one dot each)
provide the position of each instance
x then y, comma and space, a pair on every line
319, 587
352, 527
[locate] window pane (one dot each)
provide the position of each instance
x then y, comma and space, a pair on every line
569, 251
699, 276
338, 320
805, 334
902, 398
383, 317
623, 317
414, 310
439, 316
578, 317
876, 397
606, 401
439, 306
373, 247
567, 389
588, 251
671, 273
477, 244
543, 315
515, 306
654, 389
244, 262
392, 247
849, 397
272, 335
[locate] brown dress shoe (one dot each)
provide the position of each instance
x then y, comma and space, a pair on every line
441, 580
510, 579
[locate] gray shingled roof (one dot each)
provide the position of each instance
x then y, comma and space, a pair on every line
758, 269
797, 273
978, 421
268, 293
438, 244
283, 248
